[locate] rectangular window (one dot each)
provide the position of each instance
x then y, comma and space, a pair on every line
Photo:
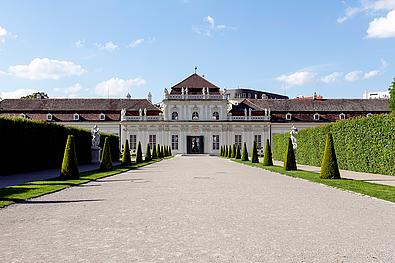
215, 142
258, 141
152, 141
133, 141
174, 142
238, 140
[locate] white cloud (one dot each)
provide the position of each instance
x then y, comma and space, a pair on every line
353, 75
382, 27
44, 68
331, 78
298, 78
349, 12
16, 94
136, 42
367, 6
209, 28
109, 46
79, 43
117, 87
384, 64
3, 34
371, 74
73, 90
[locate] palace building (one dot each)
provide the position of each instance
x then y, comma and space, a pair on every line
195, 116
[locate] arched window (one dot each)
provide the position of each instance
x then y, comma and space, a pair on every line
102, 116
369, 114
76, 117
174, 116
316, 117
22, 115
195, 115
288, 116
215, 115
342, 116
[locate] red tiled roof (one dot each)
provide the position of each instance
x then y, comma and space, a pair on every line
194, 82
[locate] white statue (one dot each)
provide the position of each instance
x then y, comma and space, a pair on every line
245, 111
145, 111
95, 137
140, 112
204, 91
293, 133
123, 114
186, 91
182, 91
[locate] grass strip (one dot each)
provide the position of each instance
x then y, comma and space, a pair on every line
19, 193
384, 192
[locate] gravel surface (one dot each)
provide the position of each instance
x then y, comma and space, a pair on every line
199, 209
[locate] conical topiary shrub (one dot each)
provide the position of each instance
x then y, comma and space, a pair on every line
148, 156
126, 154
238, 153
233, 155
170, 153
254, 154
220, 151
158, 151
226, 151
290, 161
329, 167
230, 151
154, 153
139, 154
267, 157
162, 151
244, 153
106, 161
69, 168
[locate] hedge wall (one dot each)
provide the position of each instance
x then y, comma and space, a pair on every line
28, 145
361, 144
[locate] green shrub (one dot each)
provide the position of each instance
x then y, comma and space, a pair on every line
139, 154
106, 161
154, 152
162, 151
226, 151
229, 151
148, 156
220, 151
233, 155
364, 144
289, 160
114, 145
329, 168
159, 151
238, 152
69, 168
126, 154
244, 153
254, 154
170, 153
392, 96
267, 157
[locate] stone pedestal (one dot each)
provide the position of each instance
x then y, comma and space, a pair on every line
95, 155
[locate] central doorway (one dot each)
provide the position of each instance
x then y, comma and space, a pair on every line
195, 144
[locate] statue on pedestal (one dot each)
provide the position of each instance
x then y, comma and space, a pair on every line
95, 149
293, 133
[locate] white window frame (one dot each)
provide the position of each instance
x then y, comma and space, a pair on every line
152, 140
49, 117
174, 141
316, 116
216, 115
195, 116
369, 114
102, 116
215, 142
258, 141
238, 140
288, 116
76, 117
174, 116
342, 116
22, 115
133, 142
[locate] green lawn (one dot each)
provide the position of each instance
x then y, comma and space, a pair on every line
29, 190
384, 192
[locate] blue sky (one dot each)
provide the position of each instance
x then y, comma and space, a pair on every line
100, 48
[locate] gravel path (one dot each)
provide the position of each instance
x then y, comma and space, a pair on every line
199, 209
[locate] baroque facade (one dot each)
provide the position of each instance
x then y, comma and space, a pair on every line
195, 116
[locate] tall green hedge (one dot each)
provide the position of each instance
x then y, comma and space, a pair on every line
28, 145
361, 144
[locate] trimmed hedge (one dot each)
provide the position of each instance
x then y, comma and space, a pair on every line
361, 144
329, 168
106, 161
289, 158
28, 145
69, 169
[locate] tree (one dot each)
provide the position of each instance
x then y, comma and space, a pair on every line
329, 167
233, 151
392, 96
154, 152
36, 96
238, 153
254, 154
126, 154
290, 161
139, 154
106, 161
267, 157
69, 168
148, 156
244, 153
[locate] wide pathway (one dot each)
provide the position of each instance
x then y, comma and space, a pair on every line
199, 209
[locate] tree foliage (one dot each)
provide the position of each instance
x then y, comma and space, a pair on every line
36, 96
392, 96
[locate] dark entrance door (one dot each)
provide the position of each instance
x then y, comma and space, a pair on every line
195, 144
